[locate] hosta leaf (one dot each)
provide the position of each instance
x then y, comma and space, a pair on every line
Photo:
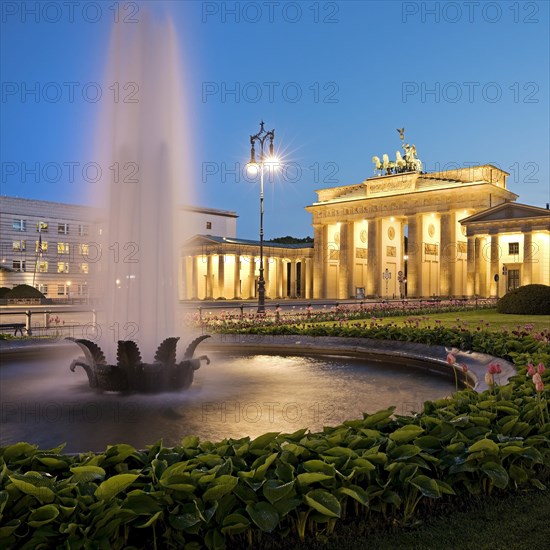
152, 520
83, 474
8, 528
324, 502
234, 524
406, 433
309, 478
497, 474
428, 487
31, 485
264, 515
319, 466
403, 452
264, 440
190, 442
428, 443
114, 485
486, 445
518, 474
141, 503
11, 452
43, 515
381, 418
220, 487
52, 462
355, 492
275, 490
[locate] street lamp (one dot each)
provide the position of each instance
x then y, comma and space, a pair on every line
252, 168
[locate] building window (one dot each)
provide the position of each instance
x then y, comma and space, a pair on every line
42, 288
19, 225
61, 290
44, 246
208, 225
84, 250
19, 265
83, 268
62, 248
62, 267
42, 227
19, 246
63, 228
513, 279
513, 249
43, 267
83, 230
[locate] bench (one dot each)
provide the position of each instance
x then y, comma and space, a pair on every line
16, 327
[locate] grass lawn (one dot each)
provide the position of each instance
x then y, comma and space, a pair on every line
510, 522
496, 320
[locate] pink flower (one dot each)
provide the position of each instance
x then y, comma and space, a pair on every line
530, 369
465, 368
541, 368
537, 380
489, 379
494, 368
451, 359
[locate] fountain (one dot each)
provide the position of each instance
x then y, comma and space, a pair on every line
142, 144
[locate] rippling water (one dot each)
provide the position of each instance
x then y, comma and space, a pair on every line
43, 402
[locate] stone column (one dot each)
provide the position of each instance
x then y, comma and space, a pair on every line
251, 276
237, 277
447, 257
293, 278
209, 291
266, 276
308, 279
528, 257
280, 266
194, 277
414, 264
495, 257
471, 266
221, 276
372, 257
319, 245
343, 263
482, 267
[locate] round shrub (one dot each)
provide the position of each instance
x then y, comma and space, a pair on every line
23, 291
526, 300
3, 291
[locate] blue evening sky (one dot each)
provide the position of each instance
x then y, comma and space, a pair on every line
469, 82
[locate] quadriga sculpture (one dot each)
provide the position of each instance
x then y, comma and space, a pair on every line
131, 374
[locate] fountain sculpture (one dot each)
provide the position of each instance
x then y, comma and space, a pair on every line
131, 374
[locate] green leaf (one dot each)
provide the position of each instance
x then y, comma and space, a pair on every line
518, 474
234, 524
8, 528
497, 474
486, 445
264, 440
428, 487
187, 517
264, 515
355, 492
275, 490
220, 487
404, 452
406, 433
324, 502
82, 474
190, 442
43, 515
35, 486
114, 485
311, 477
152, 520
381, 417
11, 452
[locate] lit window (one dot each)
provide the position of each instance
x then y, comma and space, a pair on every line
43, 288
513, 249
19, 225
62, 248
43, 267
84, 268
84, 249
208, 225
83, 230
19, 246
61, 290
62, 267
63, 228
44, 246
42, 227
19, 265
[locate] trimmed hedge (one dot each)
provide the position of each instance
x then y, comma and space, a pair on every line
23, 291
526, 300
383, 467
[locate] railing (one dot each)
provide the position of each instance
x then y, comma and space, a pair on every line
51, 322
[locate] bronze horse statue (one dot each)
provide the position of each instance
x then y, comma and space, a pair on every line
131, 374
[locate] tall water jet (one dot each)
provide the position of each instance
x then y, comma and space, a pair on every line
142, 150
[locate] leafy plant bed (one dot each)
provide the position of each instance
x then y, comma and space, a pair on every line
383, 470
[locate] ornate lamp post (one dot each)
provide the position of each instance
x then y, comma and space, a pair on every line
261, 137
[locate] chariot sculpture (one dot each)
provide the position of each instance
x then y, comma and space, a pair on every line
131, 374
407, 163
